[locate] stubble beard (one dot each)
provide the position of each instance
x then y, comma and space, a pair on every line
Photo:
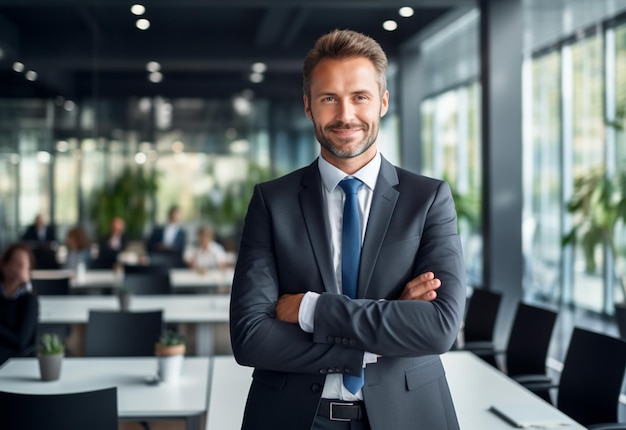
341, 148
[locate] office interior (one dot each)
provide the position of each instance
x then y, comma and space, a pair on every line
510, 101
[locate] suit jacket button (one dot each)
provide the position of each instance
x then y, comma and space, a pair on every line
337, 340
330, 339
346, 341
316, 388
352, 342
323, 371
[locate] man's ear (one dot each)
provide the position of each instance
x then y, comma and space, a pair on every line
384, 105
307, 107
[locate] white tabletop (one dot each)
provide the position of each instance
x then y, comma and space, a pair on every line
186, 308
475, 387
136, 399
109, 278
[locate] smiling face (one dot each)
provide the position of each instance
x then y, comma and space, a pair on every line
345, 106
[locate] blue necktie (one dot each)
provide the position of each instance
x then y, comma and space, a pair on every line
351, 256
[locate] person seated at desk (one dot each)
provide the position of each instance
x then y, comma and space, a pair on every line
40, 232
209, 254
170, 238
77, 244
19, 306
111, 246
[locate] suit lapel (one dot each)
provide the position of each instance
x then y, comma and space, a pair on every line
312, 203
383, 203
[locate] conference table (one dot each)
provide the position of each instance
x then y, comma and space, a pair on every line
476, 387
205, 311
187, 280
138, 398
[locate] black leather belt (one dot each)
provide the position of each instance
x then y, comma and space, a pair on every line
339, 410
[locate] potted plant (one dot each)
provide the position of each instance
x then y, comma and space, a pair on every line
123, 296
50, 355
170, 352
598, 205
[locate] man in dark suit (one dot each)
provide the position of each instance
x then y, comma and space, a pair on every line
289, 318
39, 232
168, 240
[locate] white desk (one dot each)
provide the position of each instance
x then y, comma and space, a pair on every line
203, 310
136, 400
187, 279
474, 385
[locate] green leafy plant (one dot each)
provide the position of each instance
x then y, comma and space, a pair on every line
171, 338
598, 205
130, 196
50, 344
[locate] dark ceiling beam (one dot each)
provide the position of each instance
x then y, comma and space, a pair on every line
252, 3
293, 30
272, 26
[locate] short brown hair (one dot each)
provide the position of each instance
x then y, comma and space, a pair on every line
12, 249
345, 44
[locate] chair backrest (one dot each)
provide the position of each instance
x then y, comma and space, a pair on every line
620, 319
481, 315
93, 410
529, 340
172, 260
122, 334
51, 286
148, 282
45, 258
592, 376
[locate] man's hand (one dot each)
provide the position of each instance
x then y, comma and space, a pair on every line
421, 288
288, 306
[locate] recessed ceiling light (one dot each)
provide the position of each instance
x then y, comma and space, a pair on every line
155, 77
140, 158
31, 75
406, 12
390, 25
259, 67
153, 66
142, 24
256, 77
69, 105
18, 67
137, 9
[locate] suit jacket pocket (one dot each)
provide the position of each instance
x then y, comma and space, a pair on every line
271, 379
424, 373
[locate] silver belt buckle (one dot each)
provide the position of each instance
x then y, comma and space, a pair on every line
332, 404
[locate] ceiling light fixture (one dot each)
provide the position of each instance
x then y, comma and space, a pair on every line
137, 9
406, 12
259, 67
153, 66
390, 25
142, 24
256, 77
18, 67
155, 77
31, 75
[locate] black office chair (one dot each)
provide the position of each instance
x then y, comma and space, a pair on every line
45, 258
620, 319
527, 347
480, 321
51, 286
170, 260
591, 380
93, 410
122, 334
156, 282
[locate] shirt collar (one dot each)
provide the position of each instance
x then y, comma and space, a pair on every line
331, 175
25, 288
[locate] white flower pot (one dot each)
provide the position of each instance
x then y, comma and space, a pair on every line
170, 367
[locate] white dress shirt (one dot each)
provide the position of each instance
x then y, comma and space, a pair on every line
334, 198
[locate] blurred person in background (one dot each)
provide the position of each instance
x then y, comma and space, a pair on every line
19, 306
111, 246
39, 232
209, 254
78, 251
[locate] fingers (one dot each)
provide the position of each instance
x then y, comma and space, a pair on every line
421, 288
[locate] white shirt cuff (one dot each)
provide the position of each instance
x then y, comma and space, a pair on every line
306, 314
